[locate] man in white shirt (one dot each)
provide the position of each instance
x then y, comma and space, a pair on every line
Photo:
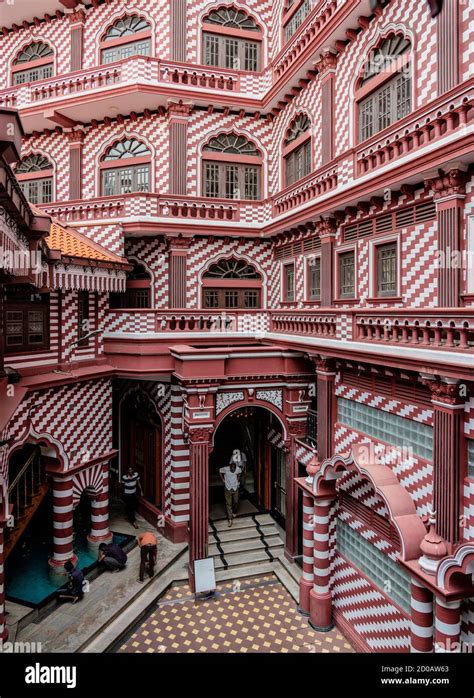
230, 476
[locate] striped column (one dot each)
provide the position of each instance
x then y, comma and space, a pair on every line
100, 512
307, 578
421, 618
448, 626
199, 513
3, 627
320, 606
62, 522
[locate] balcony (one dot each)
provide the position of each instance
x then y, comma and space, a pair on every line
311, 187
304, 323
418, 130
115, 84
185, 322
443, 328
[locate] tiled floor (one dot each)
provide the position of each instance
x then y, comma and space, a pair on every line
257, 615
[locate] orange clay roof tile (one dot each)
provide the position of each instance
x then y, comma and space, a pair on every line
71, 243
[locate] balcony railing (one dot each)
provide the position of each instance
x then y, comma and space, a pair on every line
130, 320
305, 323
312, 186
416, 131
438, 329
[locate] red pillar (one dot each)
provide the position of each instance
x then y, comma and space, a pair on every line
100, 512
62, 521
448, 626
199, 506
421, 618
320, 610
327, 233
307, 578
178, 256
325, 377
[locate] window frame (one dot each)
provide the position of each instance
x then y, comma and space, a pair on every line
137, 37
370, 92
291, 11
286, 267
222, 160
119, 165
340, 253
26, 307
222, 40
374, 264
236, 288
302, 146
310, 266
27, 181
36, 64
223, 32
83, 314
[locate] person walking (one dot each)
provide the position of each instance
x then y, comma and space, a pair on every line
131, 486
75, 584
112, 556
240, 459
230, 476
148, 550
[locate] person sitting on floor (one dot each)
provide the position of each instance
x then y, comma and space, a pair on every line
75, 590
148, 549
112, 556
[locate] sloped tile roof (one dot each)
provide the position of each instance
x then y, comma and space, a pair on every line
72, 243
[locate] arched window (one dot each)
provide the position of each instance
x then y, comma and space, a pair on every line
231, 283
295, 14
128, 36
138, 293
34, 62
231, 168
119, 175
384, 90
231, 39
297, 149
35, 176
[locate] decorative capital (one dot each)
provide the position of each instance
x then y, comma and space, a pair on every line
297, 429
178, 242
327, 61
76, 136
200, 435
327, 227
179, 109
444, 390
448, 183
76, 16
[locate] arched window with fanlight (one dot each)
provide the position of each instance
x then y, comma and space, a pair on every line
232, 168
297, 149
127, 36
34, 62
383, 91
125, 168
231, 283
35, 177
231, 39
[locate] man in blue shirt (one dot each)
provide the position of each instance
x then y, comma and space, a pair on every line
75, 590
112, 556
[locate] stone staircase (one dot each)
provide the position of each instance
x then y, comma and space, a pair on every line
250, 546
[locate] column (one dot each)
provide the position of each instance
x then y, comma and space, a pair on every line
62, 521
421, 629
178, 30
448, 467
327, 233
199, 505
178, 256
76, 20
449, 193
3, 627
76, 141
320, 604
325, 377
100, 512
307, 578
327, 72
448, 626
178, 114
448, 47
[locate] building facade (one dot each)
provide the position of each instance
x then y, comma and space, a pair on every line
254, 221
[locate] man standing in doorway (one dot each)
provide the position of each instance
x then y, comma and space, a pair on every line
230, 476
131, 485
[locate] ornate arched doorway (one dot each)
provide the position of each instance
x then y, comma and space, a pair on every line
257, 432
140, 444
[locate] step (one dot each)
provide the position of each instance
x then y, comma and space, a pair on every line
236, 546
244, 571
244, 558
243, 534
244, 522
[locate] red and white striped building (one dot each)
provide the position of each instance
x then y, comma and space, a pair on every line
262, 213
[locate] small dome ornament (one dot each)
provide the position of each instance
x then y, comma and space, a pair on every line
312, 468
433, 547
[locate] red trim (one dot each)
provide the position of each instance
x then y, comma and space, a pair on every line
128, 39
124, 162
232, 31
